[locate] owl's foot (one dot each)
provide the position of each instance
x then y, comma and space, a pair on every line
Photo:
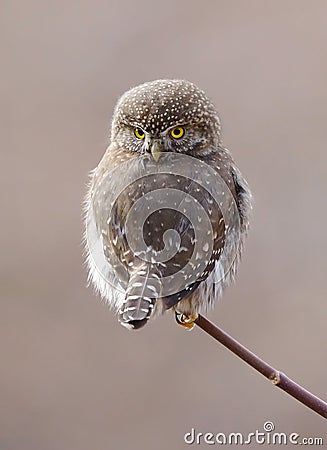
186, 320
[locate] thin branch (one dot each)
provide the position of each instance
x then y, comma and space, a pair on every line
278, 378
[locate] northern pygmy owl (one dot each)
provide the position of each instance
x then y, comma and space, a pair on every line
167, 209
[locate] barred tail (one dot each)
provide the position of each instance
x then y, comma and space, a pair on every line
141, 295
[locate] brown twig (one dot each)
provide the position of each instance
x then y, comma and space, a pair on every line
279, 379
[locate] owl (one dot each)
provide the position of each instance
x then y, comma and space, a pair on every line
167, 209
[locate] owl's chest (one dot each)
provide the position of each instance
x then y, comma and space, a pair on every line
163, 218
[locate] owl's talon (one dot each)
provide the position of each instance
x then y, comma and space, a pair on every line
186, 321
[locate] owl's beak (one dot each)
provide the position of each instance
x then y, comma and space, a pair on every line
156, 150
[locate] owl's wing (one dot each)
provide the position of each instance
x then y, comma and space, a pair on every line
186, 230
223, 260
243, 197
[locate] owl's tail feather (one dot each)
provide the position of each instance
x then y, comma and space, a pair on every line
142, 292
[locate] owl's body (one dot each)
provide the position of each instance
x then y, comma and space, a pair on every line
156, 124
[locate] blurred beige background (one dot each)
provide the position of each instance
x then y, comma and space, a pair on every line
71, 378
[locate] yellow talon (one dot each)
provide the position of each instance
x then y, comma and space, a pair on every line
186, 321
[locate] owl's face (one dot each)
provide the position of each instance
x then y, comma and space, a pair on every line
166, 115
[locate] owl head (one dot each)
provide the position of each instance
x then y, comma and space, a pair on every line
166, 115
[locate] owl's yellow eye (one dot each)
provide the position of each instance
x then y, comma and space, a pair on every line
139, 133
177, 132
